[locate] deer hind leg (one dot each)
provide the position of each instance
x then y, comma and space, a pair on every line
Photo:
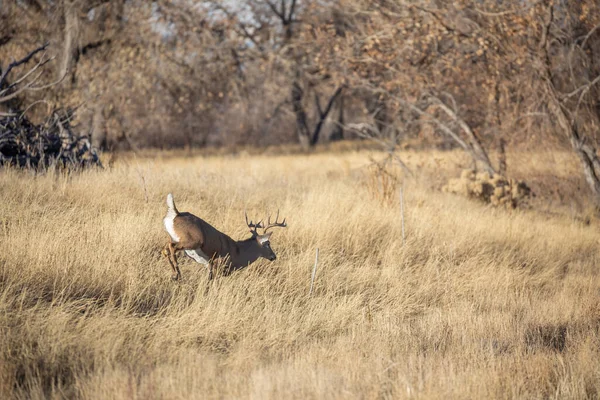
201, 258
172, 257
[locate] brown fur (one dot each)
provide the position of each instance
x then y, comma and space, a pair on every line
195, 233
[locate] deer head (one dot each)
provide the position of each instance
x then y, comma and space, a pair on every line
263, 239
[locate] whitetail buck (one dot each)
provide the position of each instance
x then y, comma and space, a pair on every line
203, 243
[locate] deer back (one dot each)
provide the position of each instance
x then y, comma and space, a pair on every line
195, 233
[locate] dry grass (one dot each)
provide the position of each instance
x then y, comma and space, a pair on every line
479, 303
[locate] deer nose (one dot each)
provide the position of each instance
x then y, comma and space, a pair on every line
273, 257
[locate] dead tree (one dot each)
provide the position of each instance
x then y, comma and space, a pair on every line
338, 132
26, 145
285, 13
310, 137
426, 109
564, 108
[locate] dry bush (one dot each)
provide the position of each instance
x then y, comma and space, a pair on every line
478, 303
495, 190
382, 180
52, 144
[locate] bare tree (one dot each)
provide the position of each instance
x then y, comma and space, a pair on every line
310, 137
567, 108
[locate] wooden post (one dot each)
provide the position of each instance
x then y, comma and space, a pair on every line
402, 210
314, 272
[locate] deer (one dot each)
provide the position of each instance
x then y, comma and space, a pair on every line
204, 243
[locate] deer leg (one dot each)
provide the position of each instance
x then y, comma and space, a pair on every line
201, 258
173, 261
166, 253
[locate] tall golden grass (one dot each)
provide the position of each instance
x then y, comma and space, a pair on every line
477, 303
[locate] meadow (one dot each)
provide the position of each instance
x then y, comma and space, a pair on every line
476, 302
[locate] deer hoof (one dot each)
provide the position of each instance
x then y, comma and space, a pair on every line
175, 277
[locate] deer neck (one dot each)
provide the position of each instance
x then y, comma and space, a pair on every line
249, 251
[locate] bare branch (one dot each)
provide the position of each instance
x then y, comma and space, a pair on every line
474, 149
30, 86
437, 122
276, 11
242, 29
283, 10
323, 114
24, 60
48, 106
479, 152
332, 100
318, 104
20, 90
507, 12
583, 89
589, 34
546, 30
440, 16
41, 63
369, 132
292, 10
437, 15
531, 115
56, 82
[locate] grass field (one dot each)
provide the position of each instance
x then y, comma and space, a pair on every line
477, 303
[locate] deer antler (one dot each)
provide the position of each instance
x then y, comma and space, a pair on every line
270, 225
253, 227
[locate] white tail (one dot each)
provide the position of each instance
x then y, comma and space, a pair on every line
171, 203
203, 243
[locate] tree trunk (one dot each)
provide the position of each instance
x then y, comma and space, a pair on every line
301, 119
338, 132
588, 157
323, 114
71, 34
98, 131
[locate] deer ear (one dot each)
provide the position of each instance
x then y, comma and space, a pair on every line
263, 238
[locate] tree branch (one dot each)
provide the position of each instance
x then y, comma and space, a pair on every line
584, 89
318, 104
41, 63
323, 115
480, 153
276, 11
24, 60
292, 10
370, 132
283, 10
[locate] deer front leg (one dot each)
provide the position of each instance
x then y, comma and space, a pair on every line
201, 258
172, 257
